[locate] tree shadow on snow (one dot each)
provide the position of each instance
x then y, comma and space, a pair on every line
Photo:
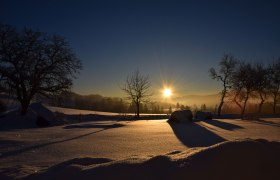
265, 122
33, 147
194, 135
104, 126
223, 125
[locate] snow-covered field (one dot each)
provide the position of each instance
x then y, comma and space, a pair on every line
144, 146
85, 112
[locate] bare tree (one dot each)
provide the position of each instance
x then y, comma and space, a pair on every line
237, 95
32, 62
243, 83
261, 83
275, 82
137, 89
227, 65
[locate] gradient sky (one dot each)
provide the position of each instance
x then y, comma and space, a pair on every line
174, 42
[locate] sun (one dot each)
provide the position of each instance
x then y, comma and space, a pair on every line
167, 92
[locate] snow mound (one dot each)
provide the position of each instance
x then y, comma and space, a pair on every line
45, 113
14, 120
181, 116
240, 159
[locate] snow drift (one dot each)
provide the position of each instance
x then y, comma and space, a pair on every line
37, 111
241, 159
44, 113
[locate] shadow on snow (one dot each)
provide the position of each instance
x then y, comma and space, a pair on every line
266, 122
104, 126
223, 125
194, 135
33, 147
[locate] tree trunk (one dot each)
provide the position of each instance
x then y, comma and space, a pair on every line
24, 107
237, 103
221, 103
244, 107
261, 104
223, 97
274, 103
275, 99
137, 110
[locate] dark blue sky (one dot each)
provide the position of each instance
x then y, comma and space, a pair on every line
175, 42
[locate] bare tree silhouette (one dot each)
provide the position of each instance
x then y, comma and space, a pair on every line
227, 65
137, 88
262, 83
275, 82
237, 95
32, 62
244, 82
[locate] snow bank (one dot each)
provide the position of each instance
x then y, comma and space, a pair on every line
13, 119
45, 113
242, 159
42, 111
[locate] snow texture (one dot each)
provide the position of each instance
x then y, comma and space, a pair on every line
243, 159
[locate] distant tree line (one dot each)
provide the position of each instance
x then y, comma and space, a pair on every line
108, 104
243, 81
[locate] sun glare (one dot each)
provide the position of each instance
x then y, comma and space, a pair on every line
167, 92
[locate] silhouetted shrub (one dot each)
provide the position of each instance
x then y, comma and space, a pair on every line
42, 122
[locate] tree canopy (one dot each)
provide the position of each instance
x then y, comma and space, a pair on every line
33, 62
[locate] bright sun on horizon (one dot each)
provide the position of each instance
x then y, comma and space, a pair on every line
167, 92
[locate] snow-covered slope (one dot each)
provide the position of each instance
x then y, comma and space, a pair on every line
246, 159
79, 111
